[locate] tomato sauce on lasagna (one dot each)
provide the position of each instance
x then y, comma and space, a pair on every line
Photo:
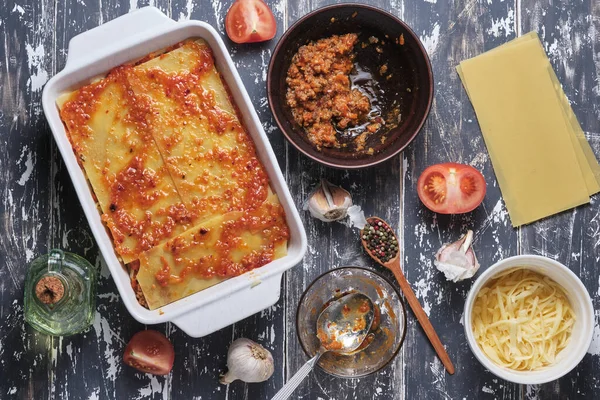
168, 158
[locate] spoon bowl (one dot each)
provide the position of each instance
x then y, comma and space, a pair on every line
345, 323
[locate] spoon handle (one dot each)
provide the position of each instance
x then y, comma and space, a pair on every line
298, 377
422, 317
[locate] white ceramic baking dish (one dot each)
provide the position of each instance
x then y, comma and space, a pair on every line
129, 37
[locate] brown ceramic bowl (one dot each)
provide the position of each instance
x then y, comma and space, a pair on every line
407, 84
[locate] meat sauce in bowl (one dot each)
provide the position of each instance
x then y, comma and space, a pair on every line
389, 66
337, 100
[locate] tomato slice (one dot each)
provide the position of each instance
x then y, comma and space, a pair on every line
451, 188
249, 21
150, 351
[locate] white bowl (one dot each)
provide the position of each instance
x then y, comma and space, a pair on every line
581, 336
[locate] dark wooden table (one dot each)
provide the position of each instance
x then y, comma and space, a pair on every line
39, 211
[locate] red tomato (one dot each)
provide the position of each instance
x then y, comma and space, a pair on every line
150, 351
249, 21
451, 188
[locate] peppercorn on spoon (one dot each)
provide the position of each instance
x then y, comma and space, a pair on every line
381, 243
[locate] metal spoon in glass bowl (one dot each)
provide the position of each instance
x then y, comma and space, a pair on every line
341, 327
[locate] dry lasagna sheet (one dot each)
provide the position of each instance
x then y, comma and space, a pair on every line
166, 154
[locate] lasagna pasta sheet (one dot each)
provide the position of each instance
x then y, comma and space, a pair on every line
200, 257
541, 158
167, 157
204, 146
123, 165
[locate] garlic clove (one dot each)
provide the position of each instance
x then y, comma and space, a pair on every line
329, 202
248, 361
457, 260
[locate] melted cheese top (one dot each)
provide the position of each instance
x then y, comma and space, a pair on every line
165, 153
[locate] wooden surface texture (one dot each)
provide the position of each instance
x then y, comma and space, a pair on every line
39, 210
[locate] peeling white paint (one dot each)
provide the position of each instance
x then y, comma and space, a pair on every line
479, 160
486, 389
107, 338
439, 375
189, 6
431, 41
217, 6
422, 290
28, 166
497, 219
35, 61
153, 387
19, 9
503, 26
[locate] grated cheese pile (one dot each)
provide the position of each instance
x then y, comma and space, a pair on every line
522, 320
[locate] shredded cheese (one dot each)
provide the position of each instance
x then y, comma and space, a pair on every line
522, 319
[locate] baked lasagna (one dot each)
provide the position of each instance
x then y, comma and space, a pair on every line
175, 174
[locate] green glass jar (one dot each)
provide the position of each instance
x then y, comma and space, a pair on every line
60, 293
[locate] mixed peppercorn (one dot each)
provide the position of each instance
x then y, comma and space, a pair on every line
380, 239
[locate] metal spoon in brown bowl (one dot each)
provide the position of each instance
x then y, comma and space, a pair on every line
341, 327
381, 243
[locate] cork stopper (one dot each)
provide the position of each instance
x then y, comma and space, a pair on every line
49, 290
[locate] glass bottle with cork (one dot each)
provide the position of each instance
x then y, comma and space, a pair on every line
60, 293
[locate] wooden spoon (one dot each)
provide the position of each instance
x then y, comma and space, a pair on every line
392, 262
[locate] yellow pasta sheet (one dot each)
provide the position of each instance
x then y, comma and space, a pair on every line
542, 161
212, 251
210, 156
124, 167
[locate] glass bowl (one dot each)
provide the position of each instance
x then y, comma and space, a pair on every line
388, 338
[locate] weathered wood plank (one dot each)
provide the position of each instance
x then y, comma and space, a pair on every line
378, 191
451, 33
96, 355
39, 210
25, 64
570, 34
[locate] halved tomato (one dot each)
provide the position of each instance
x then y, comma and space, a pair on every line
150, 351
451, 188
249, 21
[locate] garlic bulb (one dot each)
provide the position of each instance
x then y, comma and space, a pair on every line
247, 361
328, 202
457, 260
